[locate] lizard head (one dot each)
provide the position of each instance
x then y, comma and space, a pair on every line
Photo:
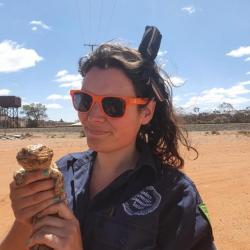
36, 156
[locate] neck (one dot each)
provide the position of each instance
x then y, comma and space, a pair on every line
116, 162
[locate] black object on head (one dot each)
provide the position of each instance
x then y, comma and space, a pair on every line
149, 48
150, 43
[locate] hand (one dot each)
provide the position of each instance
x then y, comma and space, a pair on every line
32, 196
61, 232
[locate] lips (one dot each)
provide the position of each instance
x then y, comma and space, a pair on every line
95, 132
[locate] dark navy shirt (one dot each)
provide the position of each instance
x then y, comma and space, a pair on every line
150, 207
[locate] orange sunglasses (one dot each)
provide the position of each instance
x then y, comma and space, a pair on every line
113, 106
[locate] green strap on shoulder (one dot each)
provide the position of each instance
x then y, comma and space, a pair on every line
204, 211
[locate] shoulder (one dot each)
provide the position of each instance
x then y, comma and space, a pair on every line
173, 181
183, 212
79, 158
179, 192
75, 168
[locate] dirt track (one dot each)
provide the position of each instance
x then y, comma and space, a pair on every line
221, 173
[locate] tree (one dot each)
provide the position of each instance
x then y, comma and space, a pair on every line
196, 110
226, 107
179, 110
34, 112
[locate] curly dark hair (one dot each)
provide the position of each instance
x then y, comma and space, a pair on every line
162, 133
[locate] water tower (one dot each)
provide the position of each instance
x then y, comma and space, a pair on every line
9, 111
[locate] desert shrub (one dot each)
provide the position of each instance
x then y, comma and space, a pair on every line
244, 132
82, 134
51, 136
214, 132
27, 135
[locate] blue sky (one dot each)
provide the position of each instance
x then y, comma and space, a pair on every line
205, 47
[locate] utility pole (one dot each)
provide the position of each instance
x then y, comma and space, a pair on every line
91, 45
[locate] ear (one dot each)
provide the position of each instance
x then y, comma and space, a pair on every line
148, 112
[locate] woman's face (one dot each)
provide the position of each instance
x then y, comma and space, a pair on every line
106, 134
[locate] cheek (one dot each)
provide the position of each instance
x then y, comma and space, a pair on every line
127, 128
82, 117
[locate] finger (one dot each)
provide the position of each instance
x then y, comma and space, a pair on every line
52, 221
47, 229
33, 199
33, 210
31, 188
36, 175
50, 240
60, 208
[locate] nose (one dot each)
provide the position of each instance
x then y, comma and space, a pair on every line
95, 114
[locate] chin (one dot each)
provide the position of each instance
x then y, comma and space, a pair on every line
96, 145
105, 147
101, 146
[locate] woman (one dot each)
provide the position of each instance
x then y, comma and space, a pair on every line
126, 191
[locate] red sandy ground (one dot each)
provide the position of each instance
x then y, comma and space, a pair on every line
221, 173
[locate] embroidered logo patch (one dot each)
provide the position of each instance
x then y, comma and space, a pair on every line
145, 202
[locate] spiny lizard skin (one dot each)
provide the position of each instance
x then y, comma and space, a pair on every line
35, 157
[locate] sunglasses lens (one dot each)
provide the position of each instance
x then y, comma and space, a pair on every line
82, 102
113, 106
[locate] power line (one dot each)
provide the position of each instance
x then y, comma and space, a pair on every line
100, 16
90, 22
79, 18
111, 15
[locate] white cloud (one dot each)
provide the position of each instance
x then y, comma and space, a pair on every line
189, 9
244, 83
4, 91
211, 98
162, 53
248, 73
53, 106
161, 58
212, 102
177, 81
71, 85
58, 97
61, 73
35, 24
68, 80
247, 59
13, 57
176, 99
230, 92
240, 52
25, 103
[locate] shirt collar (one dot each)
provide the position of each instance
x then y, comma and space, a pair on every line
146, 159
